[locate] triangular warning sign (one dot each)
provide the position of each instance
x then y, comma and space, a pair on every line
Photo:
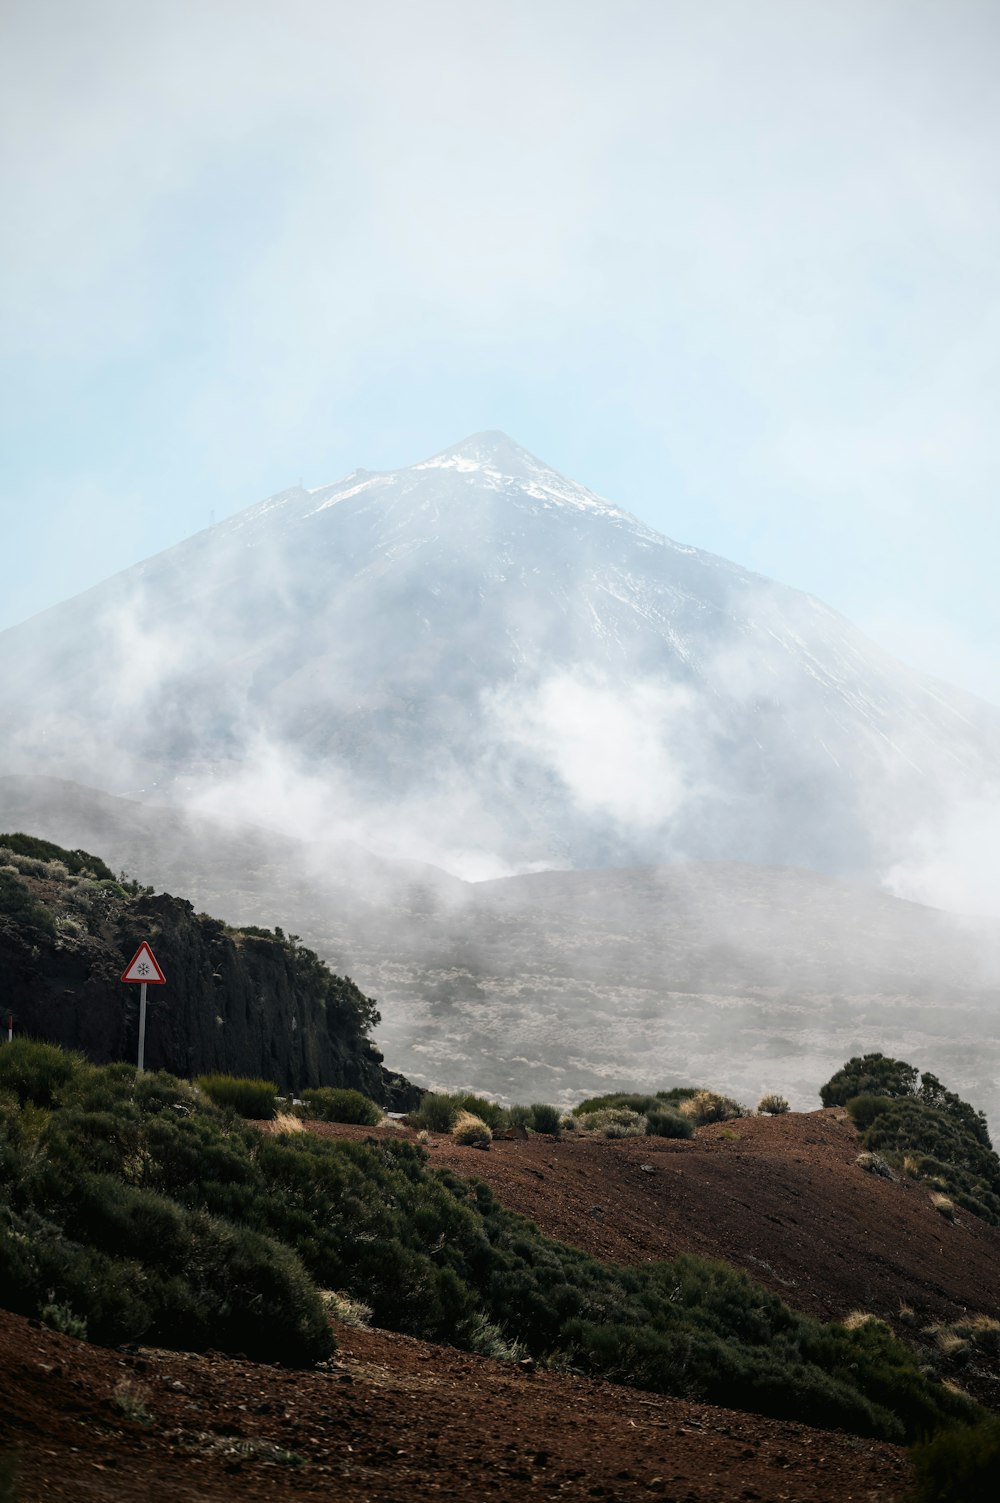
143, 967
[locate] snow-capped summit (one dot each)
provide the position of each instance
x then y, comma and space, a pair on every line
483, 656
491, 450
485, 462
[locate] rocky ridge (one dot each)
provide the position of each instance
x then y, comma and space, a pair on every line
236, 1000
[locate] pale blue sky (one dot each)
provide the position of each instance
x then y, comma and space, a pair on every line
735, 266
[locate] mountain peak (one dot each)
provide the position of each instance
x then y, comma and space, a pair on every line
491, 450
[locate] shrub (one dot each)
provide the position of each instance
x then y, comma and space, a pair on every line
666, 1123
332, 1104
155, 1090
350, 1312
869, 1074
937, 1145
46, 850
37, 1072
241, 1094
863, 1110
496, 1117
471, 1132
708, 1106
131, 1400
545, 1119
519, 1116
772, 1106
436, 1113
961, 1464
17, 902
677, 1094
61, 1318
633, 1101
614, 1122
975, 1333
488, 1339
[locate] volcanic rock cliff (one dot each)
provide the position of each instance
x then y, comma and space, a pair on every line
248, 1002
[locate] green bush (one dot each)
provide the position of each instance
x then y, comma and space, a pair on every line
772, 1106
961, 1464
939, 1149
496, 1117
332, 1104
436, 1112
37, 1072
662, 1122
545, 1118
61, 1318
241, 1094
869, 1074
864, 1109
632, 1101
677, 1094
46, 850
17, 902
614, 1122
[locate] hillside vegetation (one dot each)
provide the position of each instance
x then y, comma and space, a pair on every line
911, 1124
135, 1210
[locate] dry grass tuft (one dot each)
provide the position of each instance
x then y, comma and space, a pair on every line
858, 1318
471, 1131
288, 1122
350, 1312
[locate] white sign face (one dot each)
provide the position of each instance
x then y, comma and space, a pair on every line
143, 967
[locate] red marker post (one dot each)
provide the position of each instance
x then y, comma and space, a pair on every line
143, 968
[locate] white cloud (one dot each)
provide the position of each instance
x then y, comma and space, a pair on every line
614, 746
954, 866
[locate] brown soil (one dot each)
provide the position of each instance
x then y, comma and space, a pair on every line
393, 1419
781, 1197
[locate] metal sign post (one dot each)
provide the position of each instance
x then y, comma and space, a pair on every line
144, 969
142, 1025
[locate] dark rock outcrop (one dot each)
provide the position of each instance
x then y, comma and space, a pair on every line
247, 1003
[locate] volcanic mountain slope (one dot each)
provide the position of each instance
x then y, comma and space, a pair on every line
484, 662
554, 984
391, 1418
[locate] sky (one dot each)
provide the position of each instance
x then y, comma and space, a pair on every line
734, 266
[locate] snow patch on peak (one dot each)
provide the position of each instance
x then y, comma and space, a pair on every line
501, 464
489, 450
353, 485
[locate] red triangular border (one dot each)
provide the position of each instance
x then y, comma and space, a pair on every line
145, 953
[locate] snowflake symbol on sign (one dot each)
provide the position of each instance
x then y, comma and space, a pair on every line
143, 968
